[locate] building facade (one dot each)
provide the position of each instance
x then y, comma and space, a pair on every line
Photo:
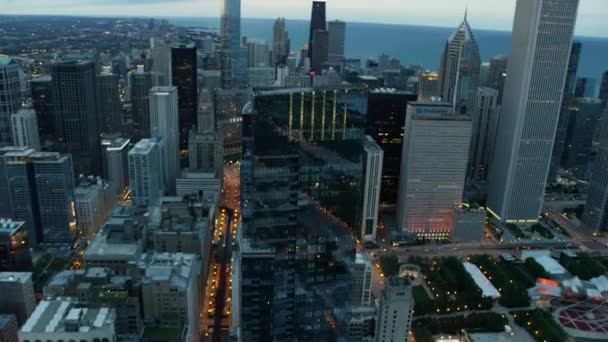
395, 312
146, 172
164, 123
530, 108
10, 92
24, 126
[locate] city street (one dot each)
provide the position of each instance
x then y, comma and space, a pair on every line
216, 309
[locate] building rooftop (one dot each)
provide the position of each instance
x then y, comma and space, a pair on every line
15, 277
175, 268
116, 143
143, 146
9, 226
6, 319
61, 315
111, 245
487, 289
4, 59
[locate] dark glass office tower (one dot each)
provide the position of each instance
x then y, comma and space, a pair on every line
76, 114
585, 87
320, 51
302, 180
109, 119
43, 105
386, 111
317, 22
141, 83
183, 71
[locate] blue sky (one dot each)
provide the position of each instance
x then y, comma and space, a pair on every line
483, 14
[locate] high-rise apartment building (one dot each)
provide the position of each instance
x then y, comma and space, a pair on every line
164, 123
10, 92
109, 116
24, 126
433, 168
337, 41
146, 172
18, 297
530, 108
318, 24
280, 43
93, 202
183, 71
76, 113
460, 67
396, 311
373, 157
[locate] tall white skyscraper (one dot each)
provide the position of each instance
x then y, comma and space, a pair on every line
396, 311
362, 280
24, 126
536, 74
145, 172
164, 122
373, 157
460, 68
433, 168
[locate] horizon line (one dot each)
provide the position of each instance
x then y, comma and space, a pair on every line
114, 16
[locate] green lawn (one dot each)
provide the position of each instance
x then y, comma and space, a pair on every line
163, 333
483, 322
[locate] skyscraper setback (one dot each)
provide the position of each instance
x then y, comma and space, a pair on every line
530, 108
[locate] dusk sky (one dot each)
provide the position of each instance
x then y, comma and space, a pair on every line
483, 14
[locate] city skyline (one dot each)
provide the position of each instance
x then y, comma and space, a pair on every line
483, 14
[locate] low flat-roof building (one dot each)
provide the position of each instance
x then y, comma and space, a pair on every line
62, 320
487, 289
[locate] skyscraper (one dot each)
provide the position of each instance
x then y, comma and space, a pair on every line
337, 41
164, 123
42, 103
583, 118
386, 110
145, 172
395, 312
595, 215
498, 74
484, 131
41, 191
114, 153
183, 71
24, 126
373, 160
428, 85
258, 53
604, 89
318, 24
530, 109
363, 274
280, 43
141, 83
568, 97
433, 168
230, 42
109, 118
76, 113
585, 87
460, 65
9, 96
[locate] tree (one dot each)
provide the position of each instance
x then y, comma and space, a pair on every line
389, 264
